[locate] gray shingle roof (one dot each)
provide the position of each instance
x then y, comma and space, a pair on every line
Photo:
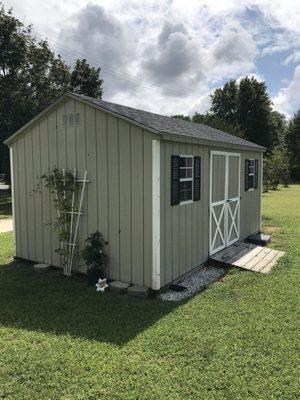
169, 125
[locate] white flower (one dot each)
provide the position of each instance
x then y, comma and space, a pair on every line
101, 285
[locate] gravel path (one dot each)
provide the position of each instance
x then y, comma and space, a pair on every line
195, 283
6, 225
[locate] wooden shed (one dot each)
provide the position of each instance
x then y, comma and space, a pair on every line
165, 193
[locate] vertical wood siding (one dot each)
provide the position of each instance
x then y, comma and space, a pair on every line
185, 228
118, 200
183, 240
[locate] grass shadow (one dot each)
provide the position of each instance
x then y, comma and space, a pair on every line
5, 204
52, 303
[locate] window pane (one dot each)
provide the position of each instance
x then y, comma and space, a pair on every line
189, 172
182, 173
185, 191
181, 196
189, 162
250, 181
183, 161
182, 186
189, 195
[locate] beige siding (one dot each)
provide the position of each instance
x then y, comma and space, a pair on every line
118, 200
250, 200
185, 228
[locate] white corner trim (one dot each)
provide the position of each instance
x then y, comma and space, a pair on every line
156, 214
12, 187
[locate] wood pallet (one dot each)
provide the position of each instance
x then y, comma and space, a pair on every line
248, 256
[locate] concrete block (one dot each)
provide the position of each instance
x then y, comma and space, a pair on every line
118, 287
41, 268
138, 291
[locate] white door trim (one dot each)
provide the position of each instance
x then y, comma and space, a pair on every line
226, 208
156, 214
13, 204
235, 226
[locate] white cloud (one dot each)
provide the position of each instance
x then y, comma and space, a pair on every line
166, 55
293, 58
288, 98
232, 53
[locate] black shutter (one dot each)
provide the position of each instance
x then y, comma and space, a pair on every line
175, 179
246, 174
256, 175
197, 178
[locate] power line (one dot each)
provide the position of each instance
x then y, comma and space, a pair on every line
71, 54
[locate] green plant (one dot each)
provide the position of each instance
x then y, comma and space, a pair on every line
62, 186
93, 254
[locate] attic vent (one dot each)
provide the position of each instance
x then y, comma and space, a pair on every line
77, 119
65, 120
71, 119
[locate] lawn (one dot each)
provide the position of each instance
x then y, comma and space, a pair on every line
239, 339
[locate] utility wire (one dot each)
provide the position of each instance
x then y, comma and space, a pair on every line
71, 54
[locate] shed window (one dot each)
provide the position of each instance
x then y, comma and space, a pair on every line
186, 179
251, 174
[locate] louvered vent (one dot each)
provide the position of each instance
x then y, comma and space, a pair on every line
71, 119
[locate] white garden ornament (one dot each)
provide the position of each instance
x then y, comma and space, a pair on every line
101, 285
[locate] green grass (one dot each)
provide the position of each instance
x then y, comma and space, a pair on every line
239, 339
5, 204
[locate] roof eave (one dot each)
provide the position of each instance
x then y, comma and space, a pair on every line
210, 142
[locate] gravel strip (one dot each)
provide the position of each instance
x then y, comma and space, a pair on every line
195, 283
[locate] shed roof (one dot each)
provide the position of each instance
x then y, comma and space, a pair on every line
158, 123
170, 125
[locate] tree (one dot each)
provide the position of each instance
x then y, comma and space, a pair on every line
225, 102
254, 111
276, 169
218, 123
183, 117
278, 126
213, 121
247, 105
86, 80
31, 77
293, 145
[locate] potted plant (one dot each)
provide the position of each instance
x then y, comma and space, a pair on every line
95, 257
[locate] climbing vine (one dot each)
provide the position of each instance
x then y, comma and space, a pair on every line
63, 188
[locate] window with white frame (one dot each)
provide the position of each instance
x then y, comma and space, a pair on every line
186, 179
251, 172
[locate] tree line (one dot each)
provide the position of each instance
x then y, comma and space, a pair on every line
244, 108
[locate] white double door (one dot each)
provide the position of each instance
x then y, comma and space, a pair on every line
224, 200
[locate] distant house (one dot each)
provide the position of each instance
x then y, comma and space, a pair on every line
165, 193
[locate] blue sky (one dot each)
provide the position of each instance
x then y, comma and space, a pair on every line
166, 56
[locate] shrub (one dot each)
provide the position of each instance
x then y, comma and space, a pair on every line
276, 169
94, 255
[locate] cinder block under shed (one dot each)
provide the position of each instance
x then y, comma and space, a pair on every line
138, 291
41, 268
118, 287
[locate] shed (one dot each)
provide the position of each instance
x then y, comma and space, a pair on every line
165, 193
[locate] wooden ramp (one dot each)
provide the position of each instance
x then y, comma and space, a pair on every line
248, 256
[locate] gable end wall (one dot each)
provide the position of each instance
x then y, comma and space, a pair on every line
118, 199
